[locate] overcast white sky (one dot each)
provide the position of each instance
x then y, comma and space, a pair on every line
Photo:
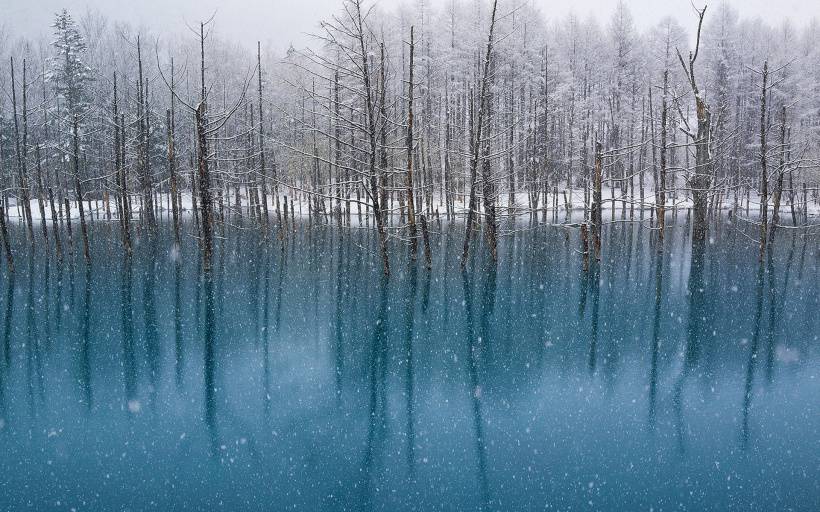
281, 22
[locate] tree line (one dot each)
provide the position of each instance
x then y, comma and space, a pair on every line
481, 112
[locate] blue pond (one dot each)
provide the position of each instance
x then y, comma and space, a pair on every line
297, 378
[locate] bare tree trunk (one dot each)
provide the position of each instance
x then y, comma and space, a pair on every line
55, 228
448, 184
701, 180
661, 191
511, 154
764, 171
585, 245
476, 138
781, 171
596, 214
202, 153
411, 206
428, 258
371, 132
170, 121
262, 166
5, 232
75, 158
40, 194
143, 152
488, 191
119, 152
383, 164
337, 153
22, 149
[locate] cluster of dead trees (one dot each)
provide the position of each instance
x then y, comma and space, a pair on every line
481, 116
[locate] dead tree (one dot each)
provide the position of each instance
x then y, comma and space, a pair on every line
205, 200
428, 257
476, 137
764, 168
488, 192
383, 121
75, 160
597, 207
411, 209
781, 171
359, 32
206, 126
40, 201
700, 180
261, 130
119, 170
21, 147
661, 192
143, 155
5, 233
337, 150
585, 245
170, 122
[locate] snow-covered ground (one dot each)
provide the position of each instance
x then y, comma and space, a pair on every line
300, 201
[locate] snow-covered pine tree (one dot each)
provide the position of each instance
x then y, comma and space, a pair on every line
68, 72
70, 75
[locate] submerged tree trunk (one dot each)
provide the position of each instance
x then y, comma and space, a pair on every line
428, 257
75, 158
5, 233
40, 194
596, 213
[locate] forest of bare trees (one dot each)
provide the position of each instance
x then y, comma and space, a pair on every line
484, 113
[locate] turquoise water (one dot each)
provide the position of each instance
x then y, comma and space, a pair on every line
301, 379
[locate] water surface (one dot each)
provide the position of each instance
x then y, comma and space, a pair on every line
301, 379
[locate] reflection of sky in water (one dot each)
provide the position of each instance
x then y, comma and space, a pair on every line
317, 386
